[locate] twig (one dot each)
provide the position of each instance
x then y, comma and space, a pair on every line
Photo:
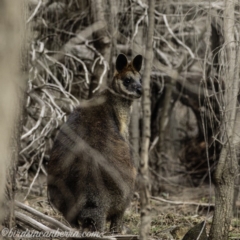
30, 145
80, 37
75, 58
102, 75
178, 40
41, 103
46, 68
36, 175
35, 11
126, 237
138, 22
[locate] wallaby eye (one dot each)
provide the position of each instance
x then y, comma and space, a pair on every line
127, 80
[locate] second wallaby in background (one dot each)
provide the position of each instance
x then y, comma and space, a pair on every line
91, 173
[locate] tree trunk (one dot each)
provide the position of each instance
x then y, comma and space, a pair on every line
227, 166
11, 23
134, 132
103, 45
134, 124
146, 105
163, 143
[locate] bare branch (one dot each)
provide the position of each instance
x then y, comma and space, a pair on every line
35, 11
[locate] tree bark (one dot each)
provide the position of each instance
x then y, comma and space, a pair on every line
227, 166
134, 123
11, 23
146, 105
103, 45
134, 132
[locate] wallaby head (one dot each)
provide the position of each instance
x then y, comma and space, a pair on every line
127, 79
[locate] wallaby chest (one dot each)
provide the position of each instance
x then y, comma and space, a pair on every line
121, 110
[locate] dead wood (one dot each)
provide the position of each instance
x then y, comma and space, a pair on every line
36, 225
182, 202
32, 222
36, 213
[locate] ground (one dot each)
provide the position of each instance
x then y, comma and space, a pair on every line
171, 219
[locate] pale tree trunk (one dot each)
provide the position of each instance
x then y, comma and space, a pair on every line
103, 44
146, 105
227, 166
113, 31
134, 132
134, 124
10, 47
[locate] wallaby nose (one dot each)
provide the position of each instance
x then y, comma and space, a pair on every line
139, 90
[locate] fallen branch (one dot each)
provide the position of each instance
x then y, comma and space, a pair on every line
33, 223
182, 203
53, 221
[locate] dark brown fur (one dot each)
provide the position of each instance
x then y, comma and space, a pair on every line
91, 173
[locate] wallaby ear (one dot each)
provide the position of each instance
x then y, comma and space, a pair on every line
137, 62
121, 62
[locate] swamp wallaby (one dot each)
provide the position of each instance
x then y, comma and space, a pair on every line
91, 172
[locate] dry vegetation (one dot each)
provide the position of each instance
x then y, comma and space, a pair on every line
73, 44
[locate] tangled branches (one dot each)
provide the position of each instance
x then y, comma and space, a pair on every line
71, 46
58, 76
